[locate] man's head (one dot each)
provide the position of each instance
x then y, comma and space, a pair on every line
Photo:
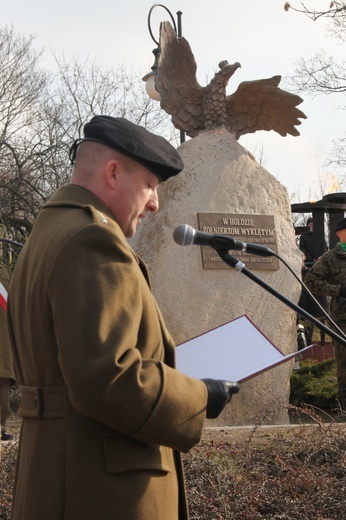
151, 150
123, 164
310, 223
340, 230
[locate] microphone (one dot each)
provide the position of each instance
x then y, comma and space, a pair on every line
185, 235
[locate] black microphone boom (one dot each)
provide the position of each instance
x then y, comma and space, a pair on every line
185, 235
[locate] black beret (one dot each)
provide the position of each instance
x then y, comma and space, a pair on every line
310, 219
340, 225
152, 151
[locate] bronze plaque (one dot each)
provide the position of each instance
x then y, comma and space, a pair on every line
254, 229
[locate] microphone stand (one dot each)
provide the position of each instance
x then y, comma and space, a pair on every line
237, 264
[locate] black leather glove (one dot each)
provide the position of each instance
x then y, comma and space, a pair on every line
219, 394
342, 292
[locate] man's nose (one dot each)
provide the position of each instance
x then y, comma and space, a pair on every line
153, 203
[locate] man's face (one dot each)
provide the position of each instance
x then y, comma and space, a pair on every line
133, 196
342, 235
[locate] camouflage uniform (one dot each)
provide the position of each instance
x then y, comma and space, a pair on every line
325, 278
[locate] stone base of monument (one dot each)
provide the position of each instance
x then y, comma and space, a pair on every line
221, 178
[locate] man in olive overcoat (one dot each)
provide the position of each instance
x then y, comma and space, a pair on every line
105, 413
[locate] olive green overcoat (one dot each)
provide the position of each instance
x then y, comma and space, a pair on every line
105, 414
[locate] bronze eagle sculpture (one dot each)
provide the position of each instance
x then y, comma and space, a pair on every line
255, 105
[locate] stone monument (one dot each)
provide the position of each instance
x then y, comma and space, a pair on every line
223, 184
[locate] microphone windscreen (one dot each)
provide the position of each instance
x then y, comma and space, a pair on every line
183, 235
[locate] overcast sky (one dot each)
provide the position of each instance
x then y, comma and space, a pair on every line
264, 38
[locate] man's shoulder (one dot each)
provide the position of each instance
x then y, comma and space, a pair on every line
334, 256
76, 206
73, 216
75, 196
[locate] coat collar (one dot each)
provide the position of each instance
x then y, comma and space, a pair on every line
76, 196
339, 251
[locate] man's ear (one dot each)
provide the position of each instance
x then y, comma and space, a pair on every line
112, 171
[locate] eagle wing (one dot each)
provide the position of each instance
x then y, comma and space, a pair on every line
262, 105
181, 94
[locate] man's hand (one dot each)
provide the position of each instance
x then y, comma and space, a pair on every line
219, 394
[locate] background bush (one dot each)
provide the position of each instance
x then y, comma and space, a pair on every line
315, 384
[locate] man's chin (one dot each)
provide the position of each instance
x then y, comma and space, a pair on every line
131, 232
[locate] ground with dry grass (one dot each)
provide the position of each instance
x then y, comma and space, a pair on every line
295, 472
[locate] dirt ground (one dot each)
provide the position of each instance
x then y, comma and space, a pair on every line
256, 435
261, 435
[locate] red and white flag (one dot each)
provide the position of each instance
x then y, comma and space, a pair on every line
3, 297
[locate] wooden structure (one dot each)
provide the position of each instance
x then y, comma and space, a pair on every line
334, 205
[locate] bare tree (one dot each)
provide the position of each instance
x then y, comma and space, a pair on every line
78, 92
22, 84
335, 12
42, 113
322, 74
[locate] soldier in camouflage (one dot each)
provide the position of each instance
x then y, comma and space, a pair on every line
327, 277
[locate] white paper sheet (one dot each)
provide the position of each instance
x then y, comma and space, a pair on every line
236, 351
